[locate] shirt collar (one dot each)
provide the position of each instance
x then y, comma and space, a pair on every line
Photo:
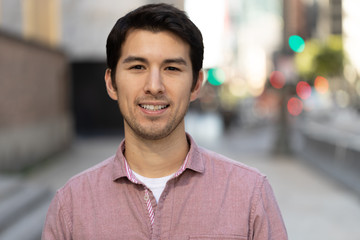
195, 161
192, 161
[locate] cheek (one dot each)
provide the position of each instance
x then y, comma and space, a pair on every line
184, 96
127, 94
125, 88
124, 98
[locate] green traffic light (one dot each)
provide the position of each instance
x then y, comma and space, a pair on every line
216, 76
296, 43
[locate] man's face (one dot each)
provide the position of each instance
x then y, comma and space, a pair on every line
153, 83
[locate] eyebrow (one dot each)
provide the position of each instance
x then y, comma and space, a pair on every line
131, 59
180, 61
134, 59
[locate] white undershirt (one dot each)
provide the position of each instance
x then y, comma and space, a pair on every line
156, 185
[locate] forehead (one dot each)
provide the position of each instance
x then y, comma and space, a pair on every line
143, 42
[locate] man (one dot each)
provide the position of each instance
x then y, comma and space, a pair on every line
160, 184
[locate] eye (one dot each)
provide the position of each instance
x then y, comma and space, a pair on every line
137, 67
170, 68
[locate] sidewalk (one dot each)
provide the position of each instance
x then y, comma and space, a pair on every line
314, 207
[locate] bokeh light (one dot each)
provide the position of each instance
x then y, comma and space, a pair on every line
277, 79
209, 17
216, 76
239, 88
350, 73
321, 85
295, 106
254, 68
303, 90
296, 43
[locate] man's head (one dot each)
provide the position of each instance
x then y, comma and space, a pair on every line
156, 18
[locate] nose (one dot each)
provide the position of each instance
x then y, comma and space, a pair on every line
154, 83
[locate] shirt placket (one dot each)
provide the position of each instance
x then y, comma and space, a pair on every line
147, 198
149, 206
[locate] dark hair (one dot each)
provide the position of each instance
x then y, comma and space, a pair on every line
155, 18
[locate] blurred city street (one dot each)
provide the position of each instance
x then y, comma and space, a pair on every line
314, 206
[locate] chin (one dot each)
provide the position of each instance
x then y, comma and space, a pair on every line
154, 135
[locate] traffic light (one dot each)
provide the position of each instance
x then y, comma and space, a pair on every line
296, 43
216, 76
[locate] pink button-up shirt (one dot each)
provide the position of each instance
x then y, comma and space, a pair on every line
213, 198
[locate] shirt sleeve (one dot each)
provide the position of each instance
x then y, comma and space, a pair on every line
267, 222
57, 224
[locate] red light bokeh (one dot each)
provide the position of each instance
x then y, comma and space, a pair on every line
277, 79
295, 106
303, 90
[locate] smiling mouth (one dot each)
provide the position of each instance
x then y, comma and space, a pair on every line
153, 107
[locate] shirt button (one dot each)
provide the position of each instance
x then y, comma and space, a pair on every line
146, 197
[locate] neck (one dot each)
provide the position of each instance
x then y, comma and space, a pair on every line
156, 158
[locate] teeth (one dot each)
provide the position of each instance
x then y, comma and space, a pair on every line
153, 107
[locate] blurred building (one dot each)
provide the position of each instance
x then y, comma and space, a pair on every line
351, 38
35, 121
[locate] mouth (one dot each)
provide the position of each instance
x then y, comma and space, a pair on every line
154, 108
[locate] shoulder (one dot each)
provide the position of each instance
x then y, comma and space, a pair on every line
222, 167
226, 162
213, 163
95, 174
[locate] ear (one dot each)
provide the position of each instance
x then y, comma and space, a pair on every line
195, 92
109, 86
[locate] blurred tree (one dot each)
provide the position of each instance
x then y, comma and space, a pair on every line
321, 59
327, 59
